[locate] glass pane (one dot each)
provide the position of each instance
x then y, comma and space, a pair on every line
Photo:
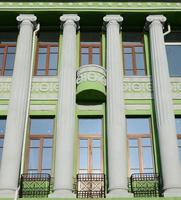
2, 126
179, 153
52, 72
96, 158
140, 61
95, 50
174, 59
133, 143
41, 61
84, 59
1, 142
96, 59
54, 50
146, 141
139, 49
96, 143
1, 151
83, 158
147, 157
127, 50
10, 61
132, 171
178, 125
11, 50
48, 171
129, 72
41, 72
1, 60
1, 50
134, 157
35, 143
47, 142
42, 50
33, 158
128, 61
90, 126
83, 143
47, 158
138, 126
41, 126
84, 50
53, 61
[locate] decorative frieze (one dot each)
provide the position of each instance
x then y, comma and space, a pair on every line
91, 73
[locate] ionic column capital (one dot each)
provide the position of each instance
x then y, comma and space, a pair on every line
155, 19
70, 19
112, 20
26, 19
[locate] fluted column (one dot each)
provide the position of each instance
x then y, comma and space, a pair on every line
66, 110
171, 168
15, 125
116, 130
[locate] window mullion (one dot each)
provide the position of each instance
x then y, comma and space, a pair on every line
47, 59
40, 156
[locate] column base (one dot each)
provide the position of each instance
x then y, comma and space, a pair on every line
115, 193
172, 192
7, 194
62, 194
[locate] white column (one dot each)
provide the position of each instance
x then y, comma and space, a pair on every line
171, 168
66, 110
116, 124
13, 141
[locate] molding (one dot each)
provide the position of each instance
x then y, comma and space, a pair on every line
90, 107
137, 107
32, 6
42, 107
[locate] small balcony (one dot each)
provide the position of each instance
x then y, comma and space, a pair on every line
90, 185
146, 185
35, 185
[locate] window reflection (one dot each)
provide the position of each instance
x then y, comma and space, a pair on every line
178, 130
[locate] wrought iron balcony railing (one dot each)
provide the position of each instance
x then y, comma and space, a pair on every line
90, 185
146, 185
35, 185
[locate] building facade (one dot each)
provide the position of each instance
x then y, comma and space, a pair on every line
90, 95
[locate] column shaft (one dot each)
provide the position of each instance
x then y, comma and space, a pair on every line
171, 169
66, 111
116, 130
13, 141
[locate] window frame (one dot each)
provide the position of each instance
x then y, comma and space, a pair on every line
46, 45
90, 46
41, 138
134, 68
138, 137
90, 138
172, 44
5, 46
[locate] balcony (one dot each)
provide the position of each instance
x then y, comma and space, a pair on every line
34, 185
146, 185
90, 185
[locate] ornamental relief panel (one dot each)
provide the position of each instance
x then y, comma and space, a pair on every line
47, 87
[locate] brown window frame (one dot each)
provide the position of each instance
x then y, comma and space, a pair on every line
90, 138
134, 69
47, 46
90, 47
5, 46
138, 137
